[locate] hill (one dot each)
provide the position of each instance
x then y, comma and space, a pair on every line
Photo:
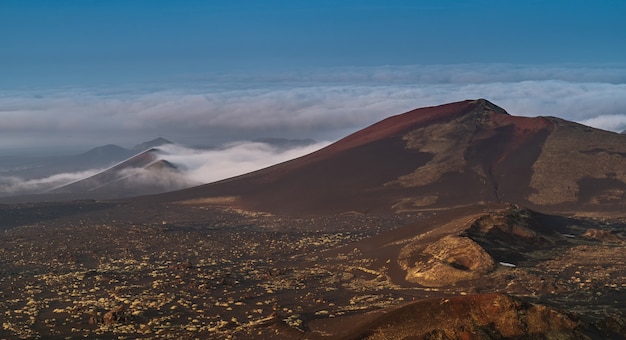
450, 155
141, 174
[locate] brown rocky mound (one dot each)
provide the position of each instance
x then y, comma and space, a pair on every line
468, 246
603, 236
445, 262
481, 316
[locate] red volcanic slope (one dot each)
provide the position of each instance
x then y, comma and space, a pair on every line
400, 124
358, 172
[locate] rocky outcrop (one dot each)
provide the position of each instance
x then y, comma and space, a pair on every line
482, 316
603, 236
445, 262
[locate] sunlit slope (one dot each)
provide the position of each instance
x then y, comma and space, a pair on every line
435, 157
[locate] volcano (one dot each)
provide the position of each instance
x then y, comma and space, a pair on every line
451, 155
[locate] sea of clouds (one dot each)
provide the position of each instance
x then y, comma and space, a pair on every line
326, 102
323, 104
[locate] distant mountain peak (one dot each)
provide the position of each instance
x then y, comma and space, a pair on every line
151, 144
144, 173
161, 165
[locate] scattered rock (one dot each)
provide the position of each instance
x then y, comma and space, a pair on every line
603, 236
182, 266
116, 315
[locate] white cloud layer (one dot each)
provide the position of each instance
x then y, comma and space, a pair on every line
12, 185
608, 122
233, 159
321, 104
195, 166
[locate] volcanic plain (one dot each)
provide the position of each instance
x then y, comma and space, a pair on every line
450, 222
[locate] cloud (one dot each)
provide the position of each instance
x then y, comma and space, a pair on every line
195, 166
13, 185
158, 181
321, 104
608, 122
233, 159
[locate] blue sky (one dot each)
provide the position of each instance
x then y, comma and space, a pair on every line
84, 73
72, 42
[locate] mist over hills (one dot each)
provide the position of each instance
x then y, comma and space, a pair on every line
97, 158
155, 166
144, 173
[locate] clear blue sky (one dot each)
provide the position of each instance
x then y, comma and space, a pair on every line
72, 42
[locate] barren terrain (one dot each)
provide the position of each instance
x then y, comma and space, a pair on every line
218, 273
451, 222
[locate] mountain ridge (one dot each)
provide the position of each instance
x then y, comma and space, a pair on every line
449, 155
